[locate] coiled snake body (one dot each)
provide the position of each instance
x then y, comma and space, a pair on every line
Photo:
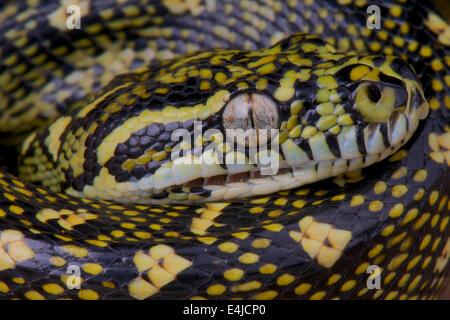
111, 214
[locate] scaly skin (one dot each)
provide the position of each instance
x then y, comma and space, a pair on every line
313, 242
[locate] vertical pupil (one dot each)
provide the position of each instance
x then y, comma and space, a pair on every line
373, 92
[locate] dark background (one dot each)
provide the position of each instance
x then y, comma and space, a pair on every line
444, 9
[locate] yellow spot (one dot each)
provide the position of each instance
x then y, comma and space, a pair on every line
348, 285
359, 72
327, 82
53, 288
397, 261
362, 268
357, 200
175, 263
216, 290
245, 287
375, 205
160, 251
413, 262
285, 279
399, 190
228, 247
34, 295
141, 289
97, 243
388, 230
19, 280
421, 221
391, 295
241, 235
284, 93
362, 292
267, 68
397, 210
375, 251
396, 10
435, 220
333, 279
299, 204
318, 295
420, 175
8, 236
311, 247
433, 197
444, 223
248, 258
88, 294
92, 268
318, 231
16, 209
207, 240
276, 227
425, 51
234, 274
268, 268
327, 256
117, 233
180, 7
437, 85
338, 197
395, 240
265, 295
159, 276
58, 261
4, 287
414, 283
339, 238
260, 243
19, 251
302, 289
403, 280
75, 251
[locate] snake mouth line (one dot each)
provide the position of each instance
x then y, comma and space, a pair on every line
253, 183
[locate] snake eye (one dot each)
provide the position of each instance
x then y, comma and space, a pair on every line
374, 103
248, 118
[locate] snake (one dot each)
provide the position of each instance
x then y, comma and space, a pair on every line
206, 149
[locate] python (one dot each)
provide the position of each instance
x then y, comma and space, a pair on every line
360, 111
362, 119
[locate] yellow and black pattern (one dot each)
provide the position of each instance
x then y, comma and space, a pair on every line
335, 112
312, 242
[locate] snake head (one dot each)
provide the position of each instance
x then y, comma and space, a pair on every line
362, 110
224, 124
